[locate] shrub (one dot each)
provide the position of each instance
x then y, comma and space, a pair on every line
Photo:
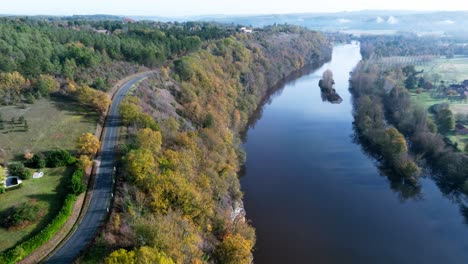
37, 161
59, 158
15, 216
234, 249
18, 169
77, 185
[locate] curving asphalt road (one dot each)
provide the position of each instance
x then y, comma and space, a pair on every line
102, 192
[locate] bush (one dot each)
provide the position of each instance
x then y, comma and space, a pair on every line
77, 185
16, 216
18, 169
22, 250
59, 158
38, 161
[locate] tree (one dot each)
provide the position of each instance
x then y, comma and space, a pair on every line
87, 144
84, 162
12, 85
148, 255
2, 174
46, 84
327, 81
147, 138
69, 68
396, 143
140, 164
121, 256
77, 185
234, 249
445, 120
37, 161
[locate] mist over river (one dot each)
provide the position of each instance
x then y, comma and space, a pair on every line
314, 195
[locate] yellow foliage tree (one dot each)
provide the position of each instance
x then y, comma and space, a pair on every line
140, 164
235, 249
148, 139
87, 144
84, 162
397, 142
2, 174
121, 256
148, 255
101, 101
128, 112
12, 85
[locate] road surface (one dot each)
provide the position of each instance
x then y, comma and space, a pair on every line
102, 191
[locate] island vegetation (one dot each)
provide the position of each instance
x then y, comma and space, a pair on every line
326, 87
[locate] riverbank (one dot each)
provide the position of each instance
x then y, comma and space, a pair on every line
334, 205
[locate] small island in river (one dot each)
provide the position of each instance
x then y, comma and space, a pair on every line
326, 86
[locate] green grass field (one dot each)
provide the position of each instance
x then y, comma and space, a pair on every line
47, 192
52, 124
424, 99
453, 70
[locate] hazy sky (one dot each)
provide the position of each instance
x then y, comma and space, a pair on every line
201, 7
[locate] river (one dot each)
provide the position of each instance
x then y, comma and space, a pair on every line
314, 196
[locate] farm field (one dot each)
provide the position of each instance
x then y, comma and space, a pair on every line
451, 71
52, 123
454, 70
55, 123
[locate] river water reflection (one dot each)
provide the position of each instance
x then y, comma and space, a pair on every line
314, 196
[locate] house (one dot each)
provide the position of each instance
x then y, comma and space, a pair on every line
461, 129
246, 30
101, 31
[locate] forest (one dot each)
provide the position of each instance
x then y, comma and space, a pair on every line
35, 53
180, 191
180, 152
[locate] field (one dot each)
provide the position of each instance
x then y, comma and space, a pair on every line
51, 124
54, 123
453, 70
46, 192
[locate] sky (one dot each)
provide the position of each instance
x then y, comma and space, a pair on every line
175, 8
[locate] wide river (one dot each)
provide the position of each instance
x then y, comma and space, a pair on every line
314, 196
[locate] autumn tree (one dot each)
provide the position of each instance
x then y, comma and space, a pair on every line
84, 162
140, 164
46, 84
148, 255
12, 85
121, 256
149, 139
87, 144
2, 174
234, 249
143, 255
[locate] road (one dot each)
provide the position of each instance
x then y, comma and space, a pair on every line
102, 191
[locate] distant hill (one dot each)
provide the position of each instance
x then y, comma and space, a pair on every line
415, 21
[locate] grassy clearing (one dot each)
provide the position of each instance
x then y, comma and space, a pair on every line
52, 124
424, 99
453, 70
47, 192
